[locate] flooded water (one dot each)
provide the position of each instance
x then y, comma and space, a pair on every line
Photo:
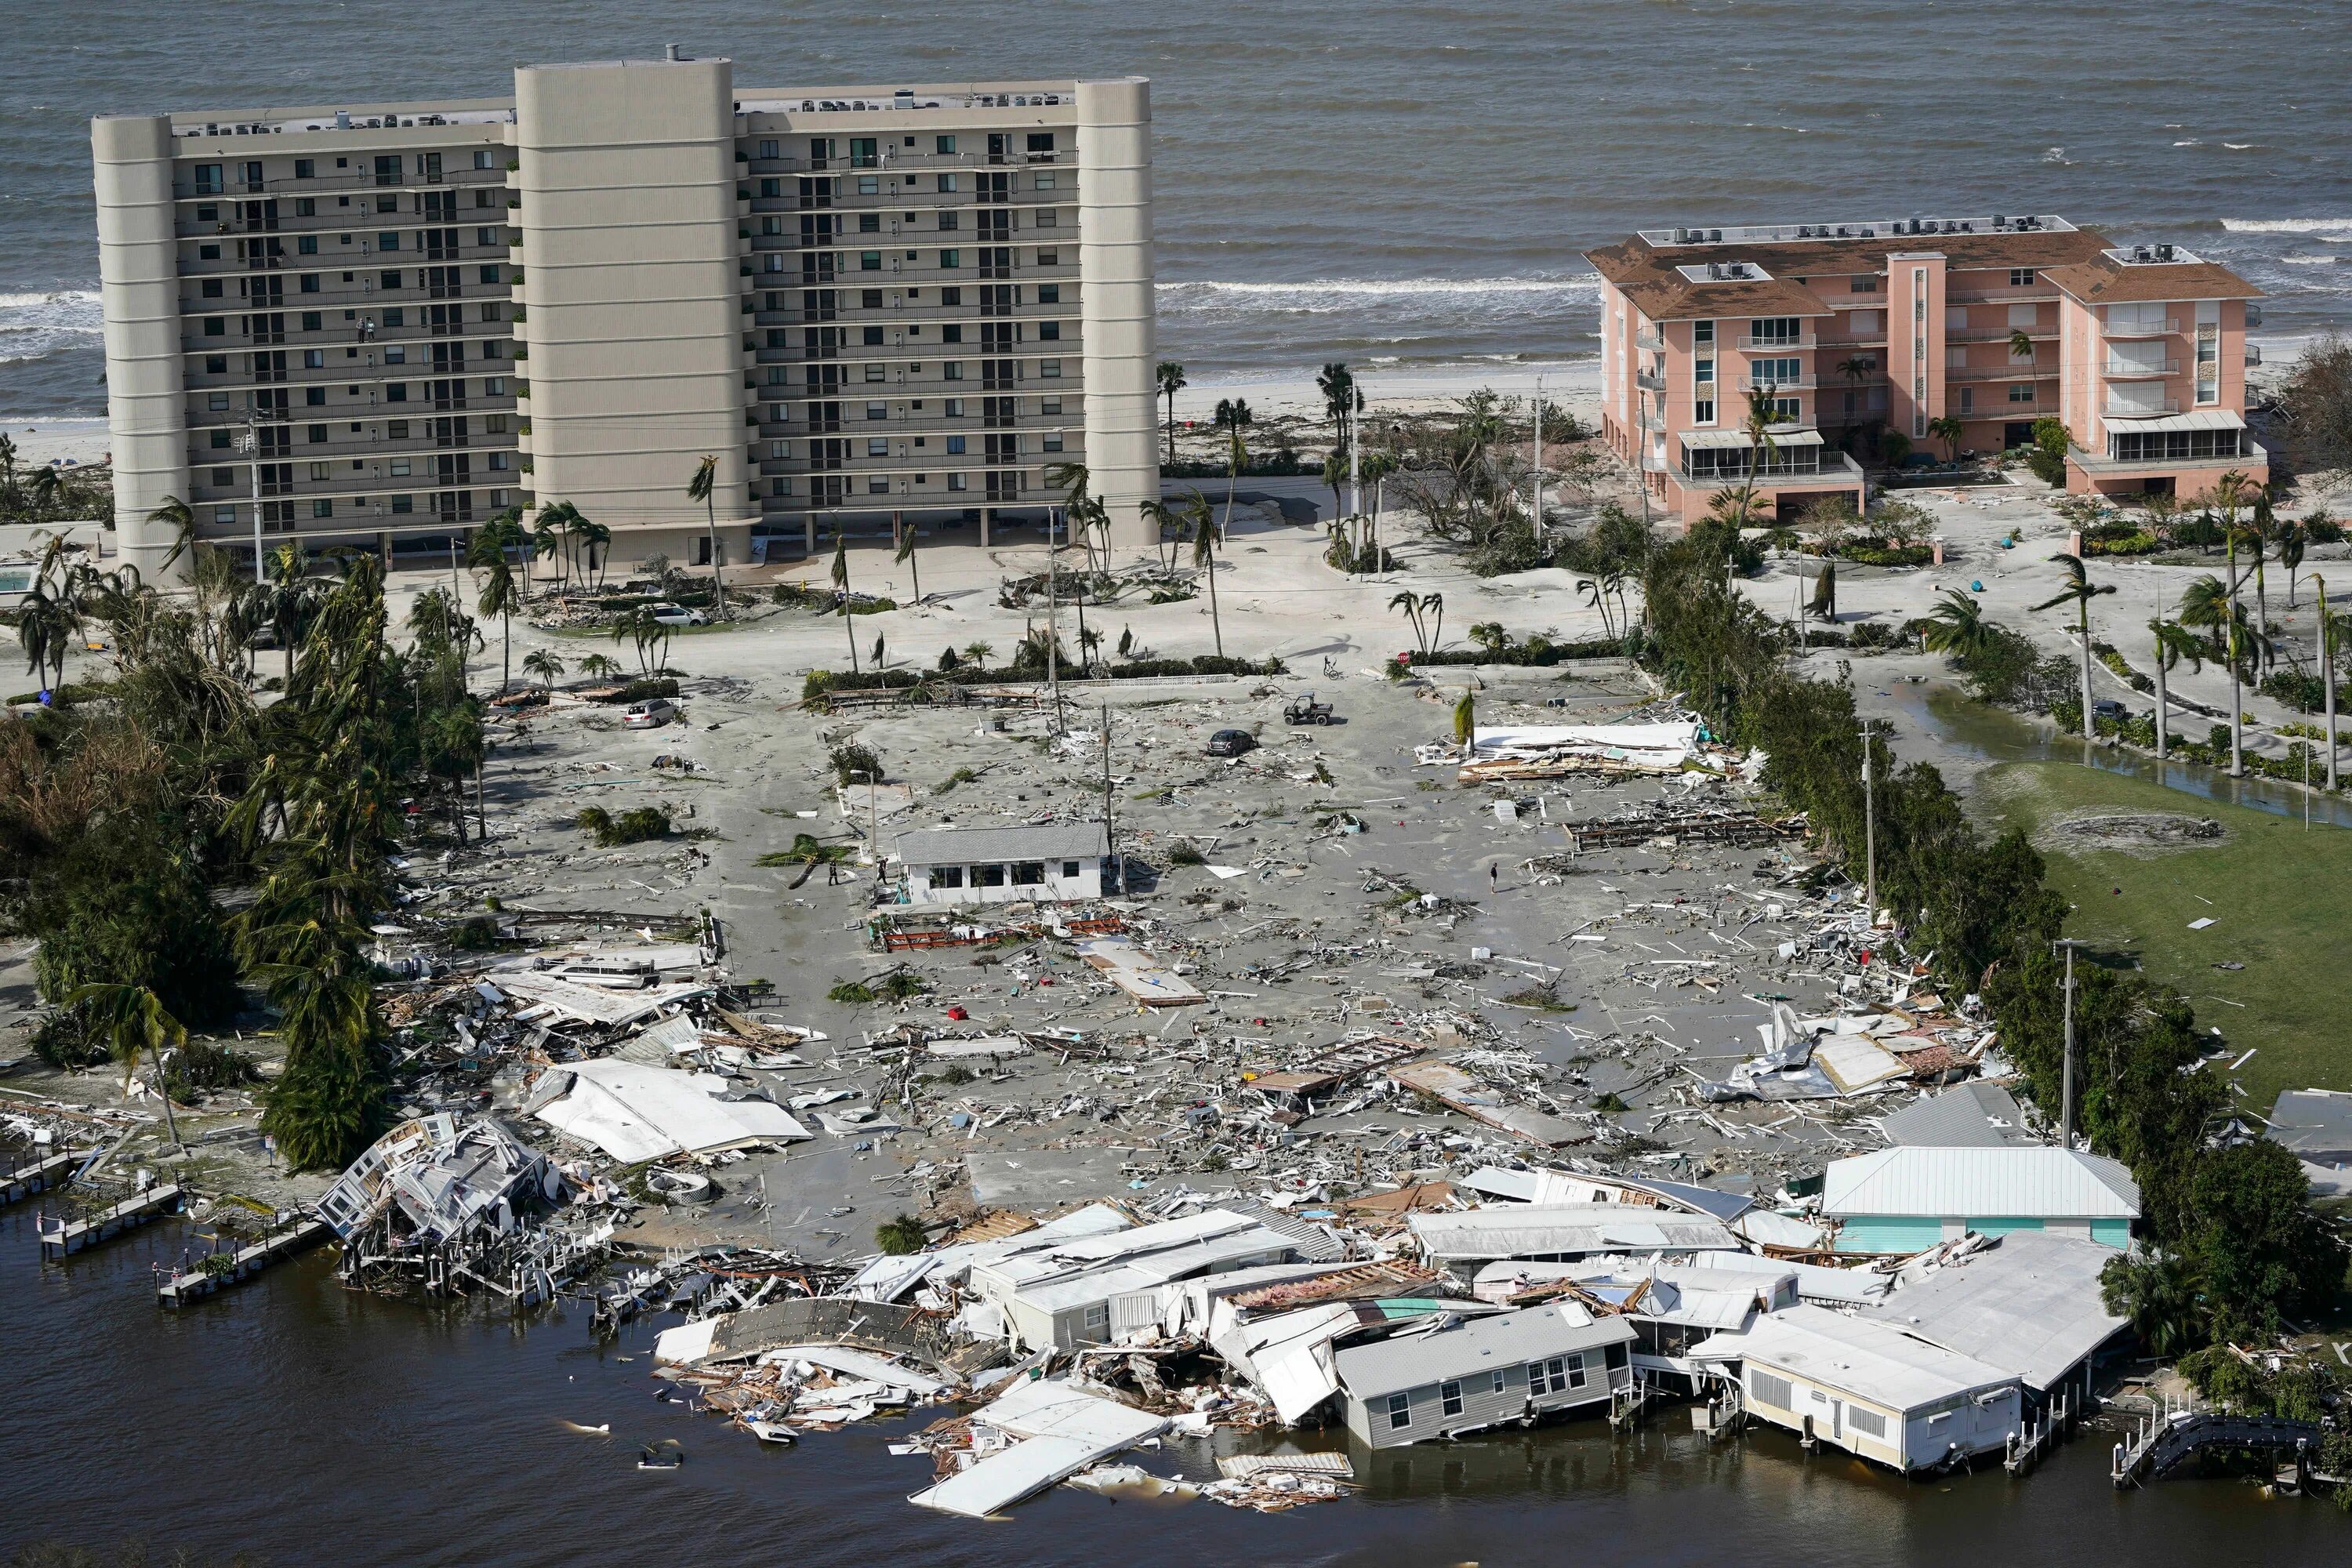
307, 1424
1960, 728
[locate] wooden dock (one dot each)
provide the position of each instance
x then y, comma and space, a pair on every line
40, 1175
219, 1270
61, 1238
2170, 1439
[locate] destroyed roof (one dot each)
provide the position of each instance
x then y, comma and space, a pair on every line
2031, 1183
1971, 1115
877, 1326
1543, 1186
1376, 1279
1517, 1230
1485, 1343
2315, 1124
634, 1112
1867, 1360
1815, 1281
2027, 1302
1315, 1243
990, 846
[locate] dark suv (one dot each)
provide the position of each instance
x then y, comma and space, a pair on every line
1230, 742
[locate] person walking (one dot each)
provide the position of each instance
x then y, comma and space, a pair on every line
1493, 877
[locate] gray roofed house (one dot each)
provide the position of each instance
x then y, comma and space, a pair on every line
1469, 1374
1969, 1115
2028, 1303
1058, 861
2315, 1124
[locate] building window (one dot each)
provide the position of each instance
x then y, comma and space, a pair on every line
1049, 332
208, 179
404, 503
1864, 284
229, 476
1575, 1370
954, 370
1069, 867
877, 411
947, 876
867, 261
1547, 1377
869, 223
1867, 1421
1703, 411
315, 396
1449, 1398
220, 438
218, 402
314, 359
1052, 442
771, 149
1399, 1411
210, 288
1049, 368
1049, 258
1028, 873
955, 446
1766, 1389
958, 482
398, 467
951, 258
322, 507
308, 245
490, 274
875, 372
878, 446
988, 875
877, 485
869, 184
1041, 140
387, 240
944, 144
2021, 277
1049, 406
224, 514
1967, 399
216, 326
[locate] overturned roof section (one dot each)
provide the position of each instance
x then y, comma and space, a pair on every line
2315, 1124
996, 846
2035, 1182
634, 1112
2028, 1303
1479, 1345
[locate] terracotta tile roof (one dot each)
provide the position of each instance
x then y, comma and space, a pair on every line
2105, 281
1650, 276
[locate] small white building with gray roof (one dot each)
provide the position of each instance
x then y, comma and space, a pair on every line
1467, 1374
1058, 862
1909, 1197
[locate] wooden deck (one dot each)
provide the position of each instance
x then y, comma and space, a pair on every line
208, 1277
61, 1238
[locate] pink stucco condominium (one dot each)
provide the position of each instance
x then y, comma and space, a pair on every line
1861, 329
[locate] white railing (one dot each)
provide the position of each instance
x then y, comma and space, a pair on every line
2166, 327
2125, 369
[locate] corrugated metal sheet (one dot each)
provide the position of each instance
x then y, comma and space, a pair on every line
2028, 1305
2036, 1182
1518, 1230
1971, 1116
994, 845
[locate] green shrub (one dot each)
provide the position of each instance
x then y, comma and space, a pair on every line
67, 1039
852, 762
901, 1236
644, 691
856, 993
632, 826
1186, 855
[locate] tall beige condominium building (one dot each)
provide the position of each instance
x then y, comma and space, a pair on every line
875, 308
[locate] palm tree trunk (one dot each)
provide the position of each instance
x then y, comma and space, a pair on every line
2237, 739
2083, 614
1215, 624
849, 625
718, 585
505, 652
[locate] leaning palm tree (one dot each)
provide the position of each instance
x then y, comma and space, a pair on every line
1171, 381
1235, 418
596, 667
1167, 527
2021, 344
1593, 594
2174, 642
1409, 603
1755, 423
979, 652
1434, 604
906, 554
699, 488
841, 586
1957, 627
550, 534
134, 1019
2079, 592
544, 665
180, 519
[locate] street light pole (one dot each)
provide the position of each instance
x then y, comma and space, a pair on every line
1540, 476
1053, 623
1111, 850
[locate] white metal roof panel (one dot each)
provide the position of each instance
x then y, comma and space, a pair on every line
2031, 1183
1479, 1345
1869, 1361
2029, 1304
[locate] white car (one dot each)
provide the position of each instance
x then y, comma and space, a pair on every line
651, 714
680, 615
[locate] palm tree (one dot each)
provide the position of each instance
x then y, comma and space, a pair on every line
550, 532
2079, 592
1234, 417
1436, 603
979, 652
289, 604
841, 586
596, 543
1171, 381
180, 519
1340, 398
544, 665
1957, 626
1763, 409
2260, 527
2292, 542
1204, 551
491, 550
133, 1018
1593, 594
47, 622
2174, 642
1948, 429
2020, 345
1410, 604
906, 554
699, 488
1167, 527
596, 667
1335, 470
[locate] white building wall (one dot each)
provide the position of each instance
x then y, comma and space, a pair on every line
1115, 270
1056, 888
139, 283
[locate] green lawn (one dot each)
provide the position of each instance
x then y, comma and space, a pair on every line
2278, 896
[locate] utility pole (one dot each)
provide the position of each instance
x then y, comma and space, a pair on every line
251, 442
1052, 622
2327, 673
1110, 850
1869, 827
2066, 1068
2161, 723
1539, 522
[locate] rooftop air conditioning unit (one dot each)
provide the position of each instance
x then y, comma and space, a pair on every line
1714, 236
2164, 253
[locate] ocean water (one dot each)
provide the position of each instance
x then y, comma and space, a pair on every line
1393, 185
